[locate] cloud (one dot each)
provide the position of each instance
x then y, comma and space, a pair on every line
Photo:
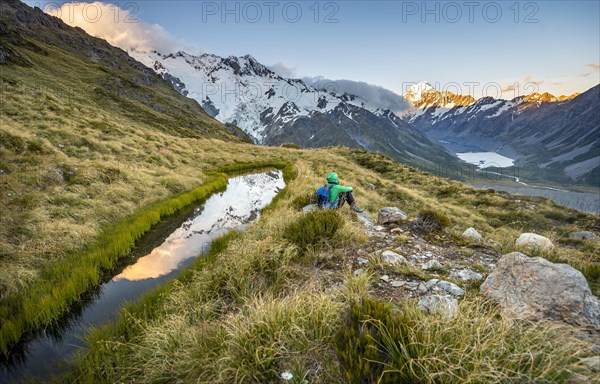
595, 67
283, 69
510, 87
376, 96
527, 86
528, 80
119, 27
587, 74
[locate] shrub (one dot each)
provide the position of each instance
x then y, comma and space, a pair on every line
449, 190
430, 220
36, 146
314, 228
291, 146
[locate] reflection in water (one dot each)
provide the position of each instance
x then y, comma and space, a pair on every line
233, 209
240, 203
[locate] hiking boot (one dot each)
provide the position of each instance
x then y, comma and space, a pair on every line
357, 209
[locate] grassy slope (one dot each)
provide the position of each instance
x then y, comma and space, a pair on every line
79, 154
262, 304
87, 137
53, 214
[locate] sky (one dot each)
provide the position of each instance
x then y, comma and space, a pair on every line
483, 48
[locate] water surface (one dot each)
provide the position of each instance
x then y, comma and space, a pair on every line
486, 159
159, 256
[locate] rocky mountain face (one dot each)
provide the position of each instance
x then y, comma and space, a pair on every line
559, 136
423, 96
274, 110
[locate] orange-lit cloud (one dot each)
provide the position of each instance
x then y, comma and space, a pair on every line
595, 67
119, 27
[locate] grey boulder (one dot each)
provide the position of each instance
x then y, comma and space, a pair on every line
391, 257
466, 275
582, 235
310, 208
532, 240
391, 215
445, 304
535, 288
470, 234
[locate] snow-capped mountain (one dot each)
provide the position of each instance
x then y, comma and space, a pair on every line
559, 136
241, 91
423, 95
273, 109
432, 106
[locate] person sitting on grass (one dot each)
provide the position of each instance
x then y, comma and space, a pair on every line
333, 195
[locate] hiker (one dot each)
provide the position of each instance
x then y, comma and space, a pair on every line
333, 195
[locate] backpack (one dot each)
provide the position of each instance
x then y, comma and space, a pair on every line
323, 200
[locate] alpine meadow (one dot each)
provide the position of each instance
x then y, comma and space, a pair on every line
173, 210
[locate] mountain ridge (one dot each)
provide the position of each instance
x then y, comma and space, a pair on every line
274, 110
556, 135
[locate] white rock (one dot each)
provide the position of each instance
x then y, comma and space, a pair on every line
532, 240
362, 260
438, 303
391, 215
431, 264
385, 278
592, 362
397, 230
450, 288
470, 234
397, 283
310, 208
466, 275
412, 285
358, 271
365, 218
391, 257
431, 283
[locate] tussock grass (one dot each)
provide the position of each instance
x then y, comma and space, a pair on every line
255, 308
249, 286
379, 342
312, 230
64, 282
429, 220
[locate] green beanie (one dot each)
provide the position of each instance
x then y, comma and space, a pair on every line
332, 178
